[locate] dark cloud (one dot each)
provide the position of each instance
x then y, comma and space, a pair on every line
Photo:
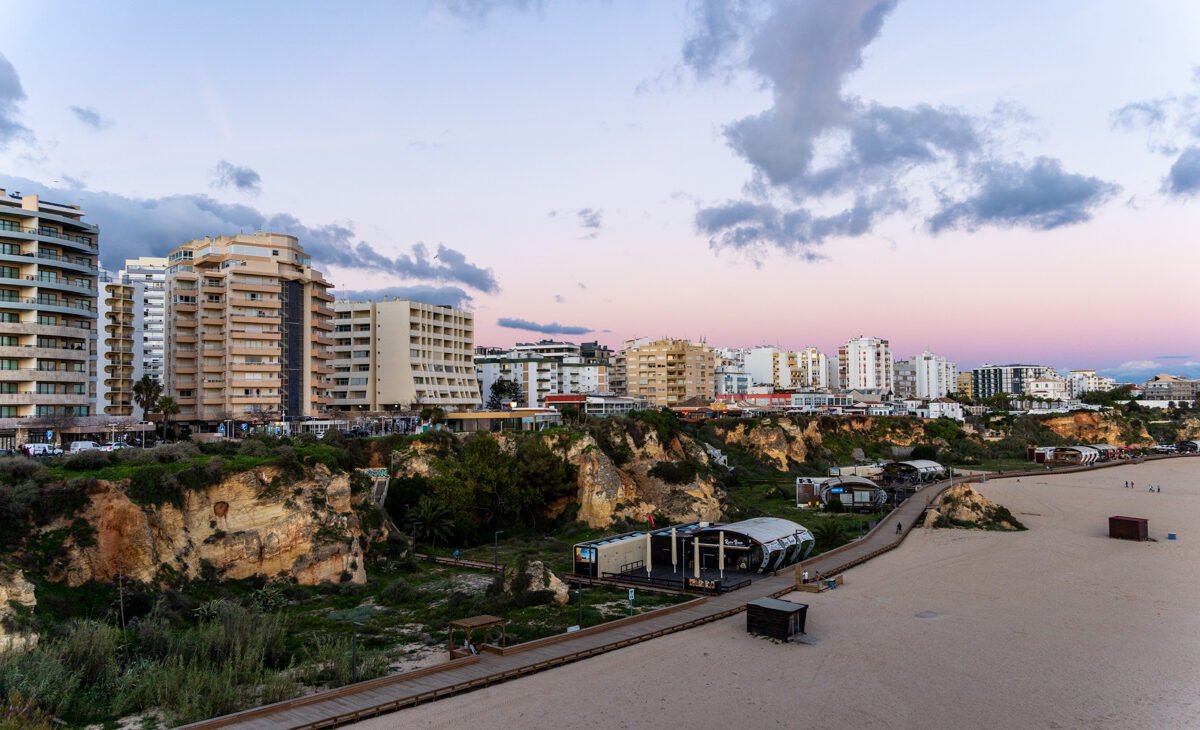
816, 145
559, 299
756, 227
553, 328
229, 175
592, 221
479, 10
1184, 176
717, 31
448, 295
1040, 196
11, 96
581, 285
153, 226
89, 116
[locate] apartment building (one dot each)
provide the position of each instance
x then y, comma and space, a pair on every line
990, 380
48, 273
1171, 388
545, 368
397, 354
666, 372
1087, 381
925, 376
616, 374
865, 363
147, 275
249, 330
1049, 386
116, 347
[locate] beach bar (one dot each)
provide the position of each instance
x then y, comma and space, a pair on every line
1129, 528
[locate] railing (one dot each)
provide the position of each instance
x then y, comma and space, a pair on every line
46, 233
82, 261
48, 303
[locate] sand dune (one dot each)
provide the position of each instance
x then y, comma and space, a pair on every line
1055, 627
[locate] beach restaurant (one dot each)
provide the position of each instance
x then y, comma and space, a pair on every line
853, 492
702, 553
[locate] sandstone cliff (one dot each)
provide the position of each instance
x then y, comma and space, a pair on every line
247, 525
786, 442
962, 506
16, 597
1098, 428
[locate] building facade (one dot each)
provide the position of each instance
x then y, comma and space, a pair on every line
147, 275
865, 363
1170, 388
1087, 381
398, 355
925, 376
545, 368
249, 331
48, 318
990, 380
116, 348
666, 372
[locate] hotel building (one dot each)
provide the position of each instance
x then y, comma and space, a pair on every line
666, 372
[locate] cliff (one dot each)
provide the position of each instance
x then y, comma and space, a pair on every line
962, 506
246, 525
1099, 428
16, 601
787, 442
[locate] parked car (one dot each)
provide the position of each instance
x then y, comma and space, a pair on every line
42, 450
78, 447
114, 446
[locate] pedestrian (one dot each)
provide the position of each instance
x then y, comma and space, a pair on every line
899, 525
1151, 487
1160, 489
456, 553
817, 576
1127, 484
1132, 486
804, 577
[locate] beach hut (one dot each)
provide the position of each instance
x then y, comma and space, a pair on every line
759, 545
776, 618
1129, 528
1075, 455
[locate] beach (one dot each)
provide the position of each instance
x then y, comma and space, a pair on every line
1057, 626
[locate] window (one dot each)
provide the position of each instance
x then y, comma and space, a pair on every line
8, 411
9, 317
8, 341
8, 363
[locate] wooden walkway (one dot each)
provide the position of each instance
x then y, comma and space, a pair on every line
387, 694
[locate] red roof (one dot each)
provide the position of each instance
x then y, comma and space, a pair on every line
569, 398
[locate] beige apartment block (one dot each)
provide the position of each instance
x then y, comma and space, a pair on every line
48, 270
666, 372
249, 330
400, 355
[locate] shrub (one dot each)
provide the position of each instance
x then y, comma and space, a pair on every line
17, 468
925, 451
399, 592
89, 460
254, 447
154, 485
674, 472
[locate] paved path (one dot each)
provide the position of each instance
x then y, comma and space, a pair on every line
386, 694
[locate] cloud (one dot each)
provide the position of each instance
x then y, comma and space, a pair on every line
581, 285
11, 96
153, 226
559, 299
478, 11
229, 175
89, 116
817, 146
553, 328
1172, 128
592, 221
1183, 179
1039, 196
448, 295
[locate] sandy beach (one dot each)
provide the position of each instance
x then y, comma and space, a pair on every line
1057, 627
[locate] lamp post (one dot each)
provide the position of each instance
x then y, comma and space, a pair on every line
579, 601
354, 652
496, 552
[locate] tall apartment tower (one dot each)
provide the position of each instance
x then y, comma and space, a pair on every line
249, 330
147, 275
865, 363
925, 376
48, 272
666, 372
117, 349
396, 354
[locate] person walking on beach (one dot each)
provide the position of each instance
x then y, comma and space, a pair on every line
899, 525
804, 577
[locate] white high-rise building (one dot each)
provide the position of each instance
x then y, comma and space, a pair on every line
543, 368
1087, 381
865, 363
810, 369
148, 277
925, 376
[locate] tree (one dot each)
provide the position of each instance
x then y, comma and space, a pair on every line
167, 406
432, 520
146, 393
503, 392
433, 414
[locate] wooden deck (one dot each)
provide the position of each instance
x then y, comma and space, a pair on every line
493, 665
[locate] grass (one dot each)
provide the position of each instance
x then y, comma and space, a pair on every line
997, 465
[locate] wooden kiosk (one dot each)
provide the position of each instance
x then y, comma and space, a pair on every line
776, 618
469, 626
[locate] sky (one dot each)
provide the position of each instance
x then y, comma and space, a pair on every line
1000, 182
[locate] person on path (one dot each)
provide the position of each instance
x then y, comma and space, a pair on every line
1160, 489
804, 577
1127, 484
898, 527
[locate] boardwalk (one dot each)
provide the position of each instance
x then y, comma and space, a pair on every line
387, 694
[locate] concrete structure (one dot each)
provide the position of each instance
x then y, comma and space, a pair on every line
249, 331
116, 348
397, 354
865, 363
1171, 388
598, 404
783, 369
48, 273
147, 275
616, 375
990, 380
962, 384
1049, 386
1080, 382
666, 372
544, 368
810, 370
925, 376
731, 380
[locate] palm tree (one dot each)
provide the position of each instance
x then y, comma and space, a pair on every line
829, 534
432, 520
167, 406
146, 393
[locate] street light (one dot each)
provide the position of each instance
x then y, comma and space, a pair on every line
579, 600
354, 652
496, 552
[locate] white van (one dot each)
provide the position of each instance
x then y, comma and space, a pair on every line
78, 447
42, 450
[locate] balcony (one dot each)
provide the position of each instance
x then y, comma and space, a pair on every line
46, 376
44, 232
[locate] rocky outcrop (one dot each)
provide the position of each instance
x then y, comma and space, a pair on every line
1091, 427
607, 492
16, 598
540, 578
247, 525
962, 506
782, 443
